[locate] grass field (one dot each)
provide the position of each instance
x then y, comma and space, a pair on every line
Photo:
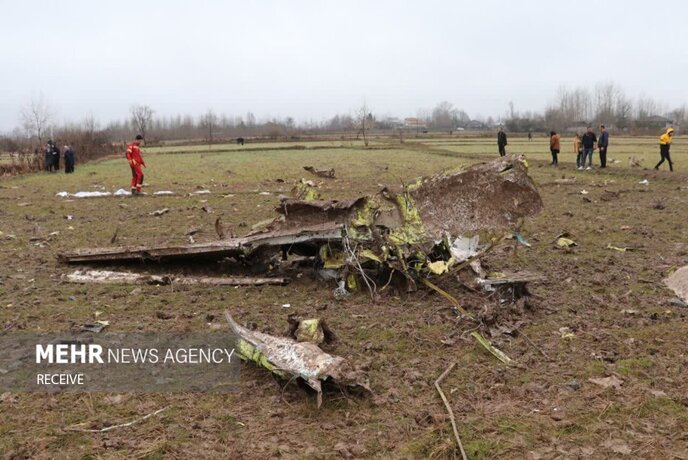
613, 302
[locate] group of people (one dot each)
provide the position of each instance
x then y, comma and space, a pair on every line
585, 144
52, 157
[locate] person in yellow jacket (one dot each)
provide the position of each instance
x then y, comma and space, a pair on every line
664, 146
578, 150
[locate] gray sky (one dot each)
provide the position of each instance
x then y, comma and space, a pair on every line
312, 59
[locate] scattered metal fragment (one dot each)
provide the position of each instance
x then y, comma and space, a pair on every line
509, 286
159, 212
565, 242
606, 382
95, 327
313, 330
287, 358
500, 355
112, 277
327, 173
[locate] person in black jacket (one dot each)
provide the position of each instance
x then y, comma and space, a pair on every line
69, 157
49, 156
56, 158
589, 141
602, 145
501, 142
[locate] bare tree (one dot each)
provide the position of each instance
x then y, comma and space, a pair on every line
35, 117
444, 116
208, 122
645, 107
365, 122
250, 120
141, 118
678, 116
90, 124
606, 94
623, 110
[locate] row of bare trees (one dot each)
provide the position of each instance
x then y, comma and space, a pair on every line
605, 103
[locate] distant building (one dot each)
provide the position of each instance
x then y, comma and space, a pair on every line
391, 123
655, 122
415, 123
475, 125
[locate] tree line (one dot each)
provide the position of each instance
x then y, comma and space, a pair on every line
569, 109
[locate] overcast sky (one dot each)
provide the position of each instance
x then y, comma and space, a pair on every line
312, 59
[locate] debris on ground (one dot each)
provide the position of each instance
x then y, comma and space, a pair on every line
94, 327
287, 358
606, 382
159, 212
634, 162
500, 355
83, 194
566, 333
314, 330
678, 282
112, 277
620, 248
306, 190
564, 242
509, 286
644, 182
463, 248
428, 228
327, 173
522, 241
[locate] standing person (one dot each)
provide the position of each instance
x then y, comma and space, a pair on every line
588, 140
554, 147
602, 144
501, 141
135, 162
578, 151
530, 136
49, 156
664, 146
69, 157
56, 157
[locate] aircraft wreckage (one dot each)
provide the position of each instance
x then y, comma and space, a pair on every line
428, 226
427, 229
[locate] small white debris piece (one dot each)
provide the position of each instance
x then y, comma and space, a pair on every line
463, 248
90, 194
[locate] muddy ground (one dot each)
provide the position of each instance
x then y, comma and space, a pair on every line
618, 317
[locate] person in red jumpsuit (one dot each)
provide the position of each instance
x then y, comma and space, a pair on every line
136, 162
